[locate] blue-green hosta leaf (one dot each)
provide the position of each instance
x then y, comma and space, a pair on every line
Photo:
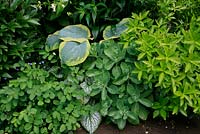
115, 31
77, 33
73, 53
52, 42
91, 122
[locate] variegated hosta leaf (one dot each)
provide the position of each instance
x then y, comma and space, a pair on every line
77, 33
112, 32
53, 41
73, 53
91, 122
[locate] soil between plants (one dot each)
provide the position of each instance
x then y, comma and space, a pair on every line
177, 125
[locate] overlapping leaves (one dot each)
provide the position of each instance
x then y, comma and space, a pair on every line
72, 42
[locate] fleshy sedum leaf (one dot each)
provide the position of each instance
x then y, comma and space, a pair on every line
91, 122
112, 32
73, 53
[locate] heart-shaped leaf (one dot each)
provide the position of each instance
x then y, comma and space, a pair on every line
91, 122
73, 53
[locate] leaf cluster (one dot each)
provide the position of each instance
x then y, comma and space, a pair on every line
167, 62
36, 102
18, 34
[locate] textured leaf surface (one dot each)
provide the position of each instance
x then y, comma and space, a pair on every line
112, 32
73, 53
91, 122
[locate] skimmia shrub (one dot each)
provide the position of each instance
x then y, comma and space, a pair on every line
19, 33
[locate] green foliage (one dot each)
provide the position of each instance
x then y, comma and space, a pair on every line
115, 89
18, 34
167, 62
36, 102
178, 13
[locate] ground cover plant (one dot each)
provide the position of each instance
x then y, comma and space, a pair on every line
68, 63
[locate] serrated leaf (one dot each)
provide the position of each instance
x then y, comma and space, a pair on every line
91, 122
73, 53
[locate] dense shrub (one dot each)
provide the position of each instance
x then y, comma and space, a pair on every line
19, 35
120, 73
168, 63
37, 103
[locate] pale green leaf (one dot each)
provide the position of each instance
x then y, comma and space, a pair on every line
91, 122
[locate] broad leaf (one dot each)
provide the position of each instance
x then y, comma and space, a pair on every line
73, 53
91, 122
145, 102
52, 42
121, 123
143, 113
112, 32
77, 33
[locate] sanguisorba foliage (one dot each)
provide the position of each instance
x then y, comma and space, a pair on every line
36, 102
168, 63
19, 34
